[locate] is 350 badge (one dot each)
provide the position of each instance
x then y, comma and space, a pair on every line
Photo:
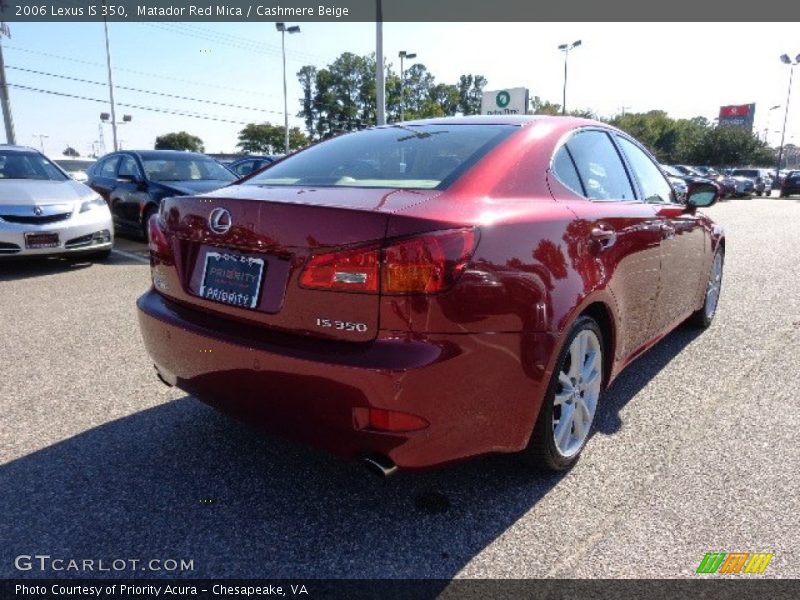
342, 325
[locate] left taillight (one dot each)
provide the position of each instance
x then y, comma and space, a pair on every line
422, 264
157, 241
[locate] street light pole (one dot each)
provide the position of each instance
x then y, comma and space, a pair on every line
380, 72
111, 88
792, 64
565, 48
4, 98
42, 137
403, 55
766, 129
283, 29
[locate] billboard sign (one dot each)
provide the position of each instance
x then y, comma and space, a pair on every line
512, 101
741, 115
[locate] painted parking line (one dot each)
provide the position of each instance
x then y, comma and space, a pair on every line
132, 256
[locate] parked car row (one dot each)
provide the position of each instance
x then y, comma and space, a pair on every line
733, 182
45, 208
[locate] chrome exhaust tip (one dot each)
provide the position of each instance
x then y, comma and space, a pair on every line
380, 465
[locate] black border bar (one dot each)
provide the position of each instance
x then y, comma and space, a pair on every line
399, 10
712, 587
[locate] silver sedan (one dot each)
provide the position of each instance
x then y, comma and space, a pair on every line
43, 211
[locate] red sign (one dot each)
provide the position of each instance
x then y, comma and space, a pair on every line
742, 110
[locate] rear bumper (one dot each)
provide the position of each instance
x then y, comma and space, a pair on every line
480, 392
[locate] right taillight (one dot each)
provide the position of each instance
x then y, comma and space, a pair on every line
423, 264
426, 264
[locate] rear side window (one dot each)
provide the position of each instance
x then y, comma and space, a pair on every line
129, 167
655, 187
405, 157
564, 168
108, 168
599, 167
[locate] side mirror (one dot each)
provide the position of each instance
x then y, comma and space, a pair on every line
701, 194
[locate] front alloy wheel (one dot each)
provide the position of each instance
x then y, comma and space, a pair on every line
566, 417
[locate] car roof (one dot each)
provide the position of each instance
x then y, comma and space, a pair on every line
254, 157
163, 154
14, 148
518, 120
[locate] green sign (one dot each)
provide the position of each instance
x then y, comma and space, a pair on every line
503, 99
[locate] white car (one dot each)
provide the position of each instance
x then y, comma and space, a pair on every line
43, 211
75, 167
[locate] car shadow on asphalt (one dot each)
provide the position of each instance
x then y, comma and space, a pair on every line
182, 481
637, 375
12, 269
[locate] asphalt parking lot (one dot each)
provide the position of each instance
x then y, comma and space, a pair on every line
695, 450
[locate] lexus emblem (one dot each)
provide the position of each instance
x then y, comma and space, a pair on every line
37, 210
220, 220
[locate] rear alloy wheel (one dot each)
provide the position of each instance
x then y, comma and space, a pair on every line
567, 413
703, 317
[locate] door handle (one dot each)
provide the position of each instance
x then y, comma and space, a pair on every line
605, 238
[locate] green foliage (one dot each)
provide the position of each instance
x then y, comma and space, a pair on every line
694, 141
265, 138
179, 141
71, 152
545, 107
731, 146
342, 96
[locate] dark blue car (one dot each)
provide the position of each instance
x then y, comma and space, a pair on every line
248, 164
134, 182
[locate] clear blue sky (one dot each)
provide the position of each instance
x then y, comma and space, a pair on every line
686, 69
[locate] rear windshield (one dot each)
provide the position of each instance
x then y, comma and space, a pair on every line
746, 173
405, 157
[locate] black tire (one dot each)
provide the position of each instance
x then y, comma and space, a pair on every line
542, 452
149, 212
703, 318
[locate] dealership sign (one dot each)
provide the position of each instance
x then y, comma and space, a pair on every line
738, 116
513, 101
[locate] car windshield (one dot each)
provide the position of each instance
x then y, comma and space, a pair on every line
746, 173
404, 157
186, 169
74, 165
28, 165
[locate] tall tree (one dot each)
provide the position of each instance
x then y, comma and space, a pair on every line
342, 96
307, 75
179, 141
265, 138
470, 91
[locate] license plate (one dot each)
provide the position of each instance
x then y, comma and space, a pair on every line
232, 279
36, 241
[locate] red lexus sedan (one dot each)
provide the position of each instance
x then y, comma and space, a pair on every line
429, 291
